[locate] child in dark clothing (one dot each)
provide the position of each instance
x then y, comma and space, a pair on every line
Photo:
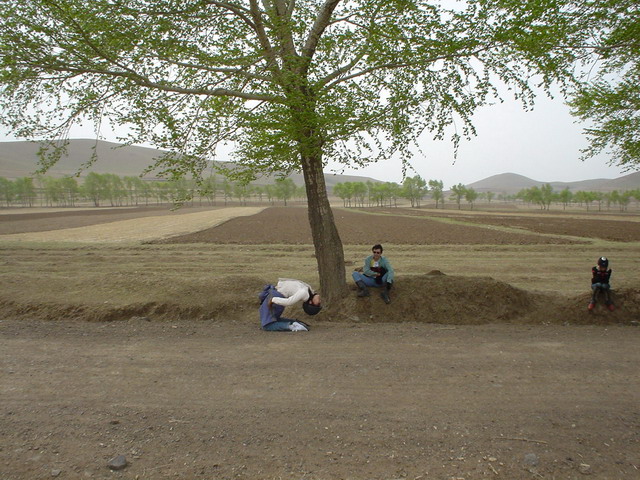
600, 275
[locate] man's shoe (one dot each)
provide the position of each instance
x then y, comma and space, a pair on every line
364, 291
591, 306
298, 327
611, 307
385, 296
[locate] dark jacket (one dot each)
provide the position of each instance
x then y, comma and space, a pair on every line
599, 276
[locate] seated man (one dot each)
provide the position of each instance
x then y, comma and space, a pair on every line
377, 272
600, 278
273, 300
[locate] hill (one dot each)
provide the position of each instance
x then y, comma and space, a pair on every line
19, 159
512, 183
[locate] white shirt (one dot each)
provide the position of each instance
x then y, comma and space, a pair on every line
293, 290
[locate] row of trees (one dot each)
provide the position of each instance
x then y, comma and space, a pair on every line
416, 189
379, 194
544, 196
111, 190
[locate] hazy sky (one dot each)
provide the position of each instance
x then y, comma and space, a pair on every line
543, 144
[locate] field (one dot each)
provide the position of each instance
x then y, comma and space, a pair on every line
134, 332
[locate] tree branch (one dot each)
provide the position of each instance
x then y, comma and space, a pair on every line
394, 66
321, 23
146, 82
231, 71
256, 14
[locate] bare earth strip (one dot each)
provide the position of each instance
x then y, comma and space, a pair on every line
139, 229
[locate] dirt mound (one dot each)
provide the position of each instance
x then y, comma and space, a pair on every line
210, 299
457, 300
625, 300
429, 298
439, 298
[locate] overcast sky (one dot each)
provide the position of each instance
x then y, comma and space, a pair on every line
543, 144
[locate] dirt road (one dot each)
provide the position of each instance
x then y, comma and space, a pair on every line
375, 401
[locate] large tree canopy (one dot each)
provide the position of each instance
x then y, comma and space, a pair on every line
610, 96
289, 83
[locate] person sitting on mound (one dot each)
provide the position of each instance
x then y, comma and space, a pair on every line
273, 300
377, 272
600, 275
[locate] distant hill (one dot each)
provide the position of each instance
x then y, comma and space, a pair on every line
19, 159
512, 183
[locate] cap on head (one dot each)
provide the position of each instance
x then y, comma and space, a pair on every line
310, 308
603, 262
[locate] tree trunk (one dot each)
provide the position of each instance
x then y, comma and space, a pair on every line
326, 240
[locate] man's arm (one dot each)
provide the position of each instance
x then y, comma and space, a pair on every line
301, 295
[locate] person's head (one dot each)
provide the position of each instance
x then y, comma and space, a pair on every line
313, 305
377, 251
603, 263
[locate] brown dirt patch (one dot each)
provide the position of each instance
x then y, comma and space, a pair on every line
288, 225
622, 230
226, 400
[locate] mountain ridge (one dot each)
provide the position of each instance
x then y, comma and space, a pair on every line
19, 159
510, 183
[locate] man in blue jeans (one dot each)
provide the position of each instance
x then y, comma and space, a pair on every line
377, 272
273, 300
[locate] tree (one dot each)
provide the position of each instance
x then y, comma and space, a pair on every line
209, 188
242, 191
285, 189
489, 196
546, 195
359, 193
289, 83
344, 191
25, 191
458, 192
414, 189
7, 191
470, 195
610, 98
437, 188
565, 197
393, 191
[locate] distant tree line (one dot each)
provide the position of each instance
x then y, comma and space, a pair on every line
415, 190
386, 194
544, 196
108, 189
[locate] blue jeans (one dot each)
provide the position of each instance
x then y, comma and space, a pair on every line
369, 281
601, 287
281, 325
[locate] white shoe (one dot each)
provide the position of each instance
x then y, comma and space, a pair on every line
298, 327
